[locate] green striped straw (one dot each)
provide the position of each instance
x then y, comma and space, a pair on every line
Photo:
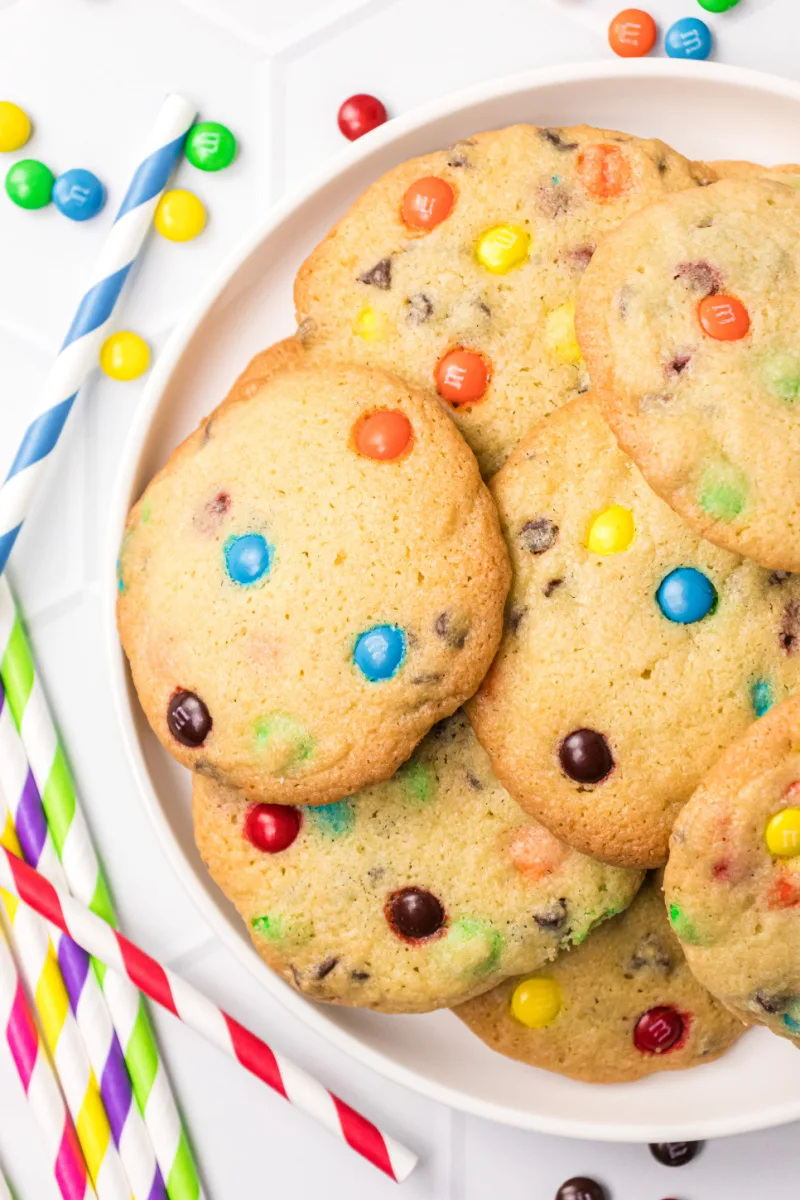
74, 847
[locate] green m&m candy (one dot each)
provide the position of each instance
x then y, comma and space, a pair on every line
29, 183
210, 146
717, 5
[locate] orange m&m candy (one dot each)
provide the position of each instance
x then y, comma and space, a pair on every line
385, 434
632, 33
723, 317
604, 171
461, 377
427, 203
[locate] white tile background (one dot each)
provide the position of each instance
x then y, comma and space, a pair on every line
91, 73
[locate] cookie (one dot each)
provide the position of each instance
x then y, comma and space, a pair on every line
634, 651
459, 270
689, 335
741, 169
733, 878
412, 895
313, 580
621, 1006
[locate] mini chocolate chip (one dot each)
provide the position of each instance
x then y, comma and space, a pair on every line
325, 967
306, 329
474, 782
552, 917
207, 431
454, 634
379, 276
431, 677
484, 307
553, 200
772, 1004
359, 976
776, 578
420, 309
188, 719
585, 756
662, 166
674, 1154
414, 913
581, 256
553, 136
551, 586
790, 626
700, 277
651, 953
677, 364
458, 160
538, 535
515, 615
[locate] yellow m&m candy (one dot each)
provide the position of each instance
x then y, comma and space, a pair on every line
371, 325
559, 333
503, 247
782, 834
180, 216
611, 531
124, 355
536, 1002
15, 126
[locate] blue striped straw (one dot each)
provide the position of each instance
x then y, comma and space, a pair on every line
78, 354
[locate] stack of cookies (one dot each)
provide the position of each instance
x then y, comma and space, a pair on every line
441, 728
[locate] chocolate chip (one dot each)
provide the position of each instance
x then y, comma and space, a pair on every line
207, 431
325, 967
552, 917
581, 1188
204, 767
585, 756
551, 586
772, 1004
700, 277
458, 160
454, 634
790, 627
420, 309
515, 615
538, 535
553, 200
474, 782
306, 329
414, 913
431, 677
379, 276
188, 719
776, 578
484, 307
677, 364
675, 1154
662, 166
651, 953
553, 136
359, 976
581, 256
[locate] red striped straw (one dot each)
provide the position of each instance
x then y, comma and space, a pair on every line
39, 1082
195, 1010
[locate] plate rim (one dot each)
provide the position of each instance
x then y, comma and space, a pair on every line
316, 1016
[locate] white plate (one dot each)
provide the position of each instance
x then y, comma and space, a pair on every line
704, 110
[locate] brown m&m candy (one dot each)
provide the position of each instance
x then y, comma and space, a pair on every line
585, 756
188, 719
414, 913
675, 1154
581, 1188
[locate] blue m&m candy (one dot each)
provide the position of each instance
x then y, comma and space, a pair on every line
688, 38
686, 595
78, 194
248, 558
379, 652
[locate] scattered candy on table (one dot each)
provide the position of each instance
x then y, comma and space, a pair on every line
78, 194
717, 6
210, 146
675, 1154
29, 183
581, 1188
360, 114
180, 215
15, 126
124, 355
632, 33
688, 38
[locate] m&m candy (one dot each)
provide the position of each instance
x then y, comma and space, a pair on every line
632, 33
124, 355
272, 827
723, 317
383, 435
210, 146
688, 38
360, 114
15, 126
536, 1003
79, 194
427, 203
371, 325
462, 377
658, 1030
611, 531
180, 215
717, 6
782, 834
502, 248
675, 1154
604, 171
559, 333
686, 595
379, 652
248, 558
29, 183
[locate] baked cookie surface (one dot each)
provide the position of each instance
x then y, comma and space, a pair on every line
459, 270
688, 319
633, 652
733, 877
415, 893
622, 1005
313, 580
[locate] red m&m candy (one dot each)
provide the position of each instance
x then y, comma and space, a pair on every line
632, 33
462, 377
427, 203
359, 114
723, 317
272, 827
658, 1030
384, 435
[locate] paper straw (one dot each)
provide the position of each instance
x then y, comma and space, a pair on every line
68, 971
39, 1082
84, 878
78, 354
195, 1010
